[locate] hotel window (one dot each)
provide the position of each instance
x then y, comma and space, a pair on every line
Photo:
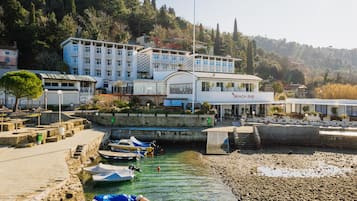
75, 48
173, 58
129, 64
224, 63
75, 60
198, 61
156, 66
118, 63
105, 84
7, 52
220, 85
98, 72
118, 73
156, 56
98, 61
182, 58
205, 86
86, 71
205, 62
185, 88
119, 52
98, 50
75, 71
165, 57
87, 49
218, 63
109, 62
130, 53
109, 51
67, 84
211, 63
322, 109
351, 111
165, 67
128, 74
109, 73
86, 60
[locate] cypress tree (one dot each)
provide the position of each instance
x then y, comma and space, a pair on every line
217, 42
212, 35
235, 31
250, 67
254, 48
153, 3
32, 14
73, 7
201, 34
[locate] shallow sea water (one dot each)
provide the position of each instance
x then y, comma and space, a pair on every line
182, 176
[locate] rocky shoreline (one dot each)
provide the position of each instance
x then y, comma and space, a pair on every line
240, 171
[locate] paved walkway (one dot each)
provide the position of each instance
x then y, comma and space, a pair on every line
26, 171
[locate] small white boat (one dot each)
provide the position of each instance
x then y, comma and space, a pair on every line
119, 155
104, 168
115, 176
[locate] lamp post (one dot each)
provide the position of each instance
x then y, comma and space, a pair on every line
194, 57
46, 91
59, 92
60, 128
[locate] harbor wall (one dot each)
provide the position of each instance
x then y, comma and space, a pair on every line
168, 135
306, 136
152, 120
289, 135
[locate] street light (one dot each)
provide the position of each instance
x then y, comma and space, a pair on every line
46, 91
60, 129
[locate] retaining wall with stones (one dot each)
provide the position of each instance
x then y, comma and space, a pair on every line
152, 120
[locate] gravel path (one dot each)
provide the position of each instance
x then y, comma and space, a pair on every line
289, 173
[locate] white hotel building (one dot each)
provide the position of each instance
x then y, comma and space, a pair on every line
156, 71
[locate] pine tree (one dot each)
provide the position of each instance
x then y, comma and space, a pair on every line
217, 42
201, 34
250, 67
235, 31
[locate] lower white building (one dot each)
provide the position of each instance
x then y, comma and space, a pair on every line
231, 94
67, 90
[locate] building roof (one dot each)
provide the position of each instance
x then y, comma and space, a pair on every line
66, 77
217, 57
318, 101
99, 41
220, 76
164, 49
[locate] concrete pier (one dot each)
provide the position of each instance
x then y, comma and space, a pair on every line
31, 173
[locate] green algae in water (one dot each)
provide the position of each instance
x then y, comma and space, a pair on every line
182, 176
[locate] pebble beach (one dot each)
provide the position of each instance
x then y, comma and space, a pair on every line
288, 173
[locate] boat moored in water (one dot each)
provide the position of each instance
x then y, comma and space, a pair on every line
114, 176
111, 155
106, 168
133, 145
119, 197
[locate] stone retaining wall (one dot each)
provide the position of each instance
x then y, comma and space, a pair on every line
152, 120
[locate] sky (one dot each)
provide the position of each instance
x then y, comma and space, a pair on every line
320, 23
